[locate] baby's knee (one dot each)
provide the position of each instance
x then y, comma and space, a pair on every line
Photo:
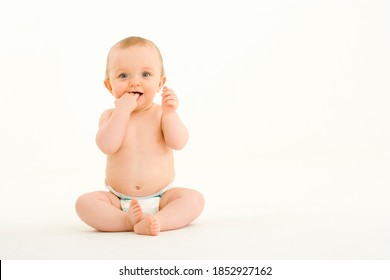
198, 199
85, 202
82, 203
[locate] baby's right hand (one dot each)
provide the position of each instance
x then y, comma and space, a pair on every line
128, 101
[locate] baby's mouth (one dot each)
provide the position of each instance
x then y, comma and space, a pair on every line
136, 92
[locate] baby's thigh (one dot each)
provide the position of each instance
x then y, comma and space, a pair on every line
100, 197
180, 193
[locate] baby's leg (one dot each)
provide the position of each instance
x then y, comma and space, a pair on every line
178, 208
102, 211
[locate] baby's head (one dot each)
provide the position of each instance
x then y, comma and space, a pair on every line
134, 65
130, 42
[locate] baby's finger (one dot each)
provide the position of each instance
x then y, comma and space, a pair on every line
169, 97
166, 101
166, 90
165, 93
168, 94
169, 101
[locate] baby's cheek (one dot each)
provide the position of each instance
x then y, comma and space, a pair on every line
118, 93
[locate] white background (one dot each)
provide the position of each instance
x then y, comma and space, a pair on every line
287, 103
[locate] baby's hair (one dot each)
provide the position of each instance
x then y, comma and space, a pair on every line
134, 41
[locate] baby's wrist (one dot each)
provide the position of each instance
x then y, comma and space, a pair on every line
169, 113
123, 110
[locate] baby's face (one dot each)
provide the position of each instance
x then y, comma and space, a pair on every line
136, 69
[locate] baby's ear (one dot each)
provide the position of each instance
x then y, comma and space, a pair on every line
163, 79
108, 85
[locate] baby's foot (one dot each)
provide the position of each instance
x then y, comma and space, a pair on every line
134, 214
148, 226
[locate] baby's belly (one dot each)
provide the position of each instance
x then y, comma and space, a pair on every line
141, 178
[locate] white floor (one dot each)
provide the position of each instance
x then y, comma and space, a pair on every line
273, 210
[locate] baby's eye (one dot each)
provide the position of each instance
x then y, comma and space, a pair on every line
123, 76
146, 74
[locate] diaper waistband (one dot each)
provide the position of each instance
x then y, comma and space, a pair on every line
128, 197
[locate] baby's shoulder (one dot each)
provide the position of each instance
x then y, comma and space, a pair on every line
157, 108
106, 115
157, 111
108, 111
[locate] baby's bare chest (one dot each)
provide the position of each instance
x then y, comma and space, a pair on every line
144, 135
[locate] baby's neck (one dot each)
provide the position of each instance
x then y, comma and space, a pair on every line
144, 109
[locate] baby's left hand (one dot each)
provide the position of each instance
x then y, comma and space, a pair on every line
169, 101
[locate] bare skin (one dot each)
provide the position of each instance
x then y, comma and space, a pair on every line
135, 214
139, 137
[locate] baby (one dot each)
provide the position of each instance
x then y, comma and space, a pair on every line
139, 137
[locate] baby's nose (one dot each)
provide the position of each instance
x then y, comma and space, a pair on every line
134, 82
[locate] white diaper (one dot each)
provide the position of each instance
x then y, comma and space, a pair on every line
150, 204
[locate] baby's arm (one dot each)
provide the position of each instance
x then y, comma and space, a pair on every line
113, 123
175, 133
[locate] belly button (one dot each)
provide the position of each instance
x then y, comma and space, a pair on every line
137, 188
